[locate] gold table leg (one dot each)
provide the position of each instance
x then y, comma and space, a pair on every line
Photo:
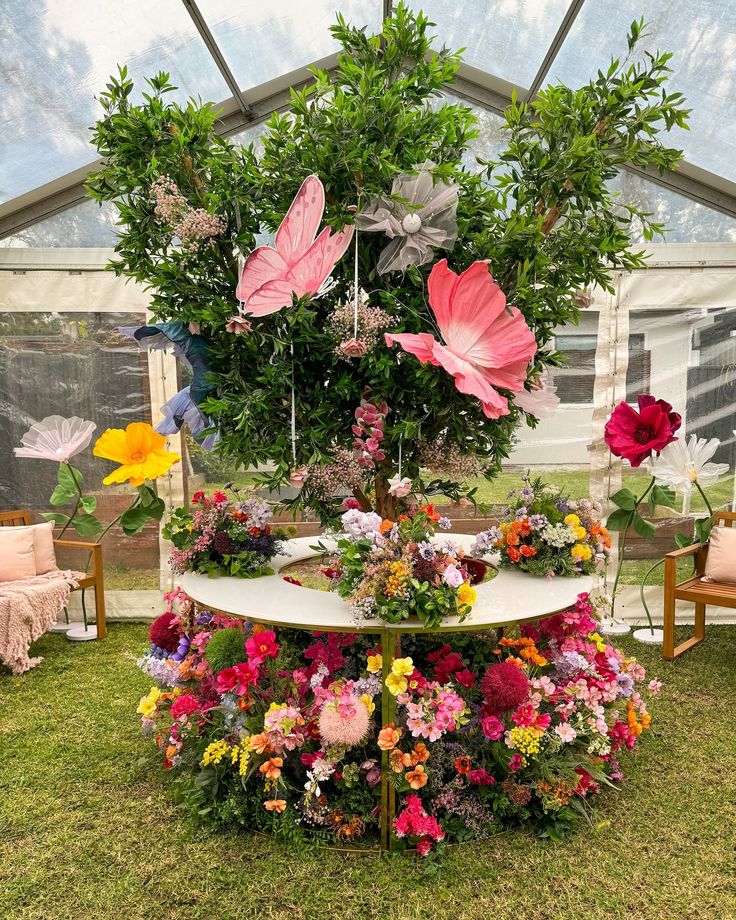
388, 714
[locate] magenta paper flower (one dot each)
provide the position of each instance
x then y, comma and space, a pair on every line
635, 435
487, 344
56, 438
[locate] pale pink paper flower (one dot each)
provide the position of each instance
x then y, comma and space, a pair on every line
399, 487
542, 400
298, 477
487, 343
195, 328
56, 438
238, 325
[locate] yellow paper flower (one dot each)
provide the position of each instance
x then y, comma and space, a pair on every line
396, 684
402, 667
466, 595
375, 663
139, 450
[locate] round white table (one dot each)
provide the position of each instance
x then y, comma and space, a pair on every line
510, 597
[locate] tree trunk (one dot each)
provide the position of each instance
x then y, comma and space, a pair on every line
385, 503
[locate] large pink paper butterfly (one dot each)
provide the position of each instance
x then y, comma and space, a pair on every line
487, 344
299, 263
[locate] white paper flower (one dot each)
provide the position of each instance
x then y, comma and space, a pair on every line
682, 463
419, 217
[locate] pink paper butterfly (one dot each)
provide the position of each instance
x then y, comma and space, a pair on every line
299, 263
487, 344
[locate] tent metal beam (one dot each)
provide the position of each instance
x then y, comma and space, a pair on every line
215, 53
471, 84
567, 23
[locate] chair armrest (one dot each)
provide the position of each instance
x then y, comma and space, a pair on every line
95, 551
685, 551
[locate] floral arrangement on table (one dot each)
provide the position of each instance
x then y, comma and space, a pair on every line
393, 570
284, 732
397, 270
546, 533
218, 535
139, 451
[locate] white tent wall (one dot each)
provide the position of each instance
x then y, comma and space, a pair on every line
660, 311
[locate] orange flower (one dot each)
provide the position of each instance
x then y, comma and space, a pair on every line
386, 525
527, 551
517, 661
388, 737
277, 805
431, 513
420, 754
271, 769
260, 743
525, 528
417, 777
396, 759
512, 539
462, 765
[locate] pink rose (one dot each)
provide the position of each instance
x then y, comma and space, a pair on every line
399, 487
298, 477
353, 348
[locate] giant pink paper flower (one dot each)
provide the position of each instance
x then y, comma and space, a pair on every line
487, 344
56, 438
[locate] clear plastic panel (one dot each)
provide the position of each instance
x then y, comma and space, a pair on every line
85, 225
74, 364
702, 36
262, 41
54, 58
508, 40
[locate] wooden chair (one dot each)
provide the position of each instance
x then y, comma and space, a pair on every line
693, 589
93, 580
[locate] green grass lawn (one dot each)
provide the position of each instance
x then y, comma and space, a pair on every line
89, 829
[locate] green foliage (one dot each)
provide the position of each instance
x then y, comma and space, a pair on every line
225, 649
542, 215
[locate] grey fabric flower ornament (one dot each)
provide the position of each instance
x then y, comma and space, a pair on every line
419, 217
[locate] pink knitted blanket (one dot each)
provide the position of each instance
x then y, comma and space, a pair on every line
28, 607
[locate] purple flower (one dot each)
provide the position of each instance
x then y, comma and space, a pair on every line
626, 685
445, 523
526, 494
426, 551
538, 522
521, 513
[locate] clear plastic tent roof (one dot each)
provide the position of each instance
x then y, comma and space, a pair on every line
56, 55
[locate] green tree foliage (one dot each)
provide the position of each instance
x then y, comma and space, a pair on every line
542, 216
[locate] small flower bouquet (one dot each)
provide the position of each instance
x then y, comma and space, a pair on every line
218, 536
546, 533
393, 570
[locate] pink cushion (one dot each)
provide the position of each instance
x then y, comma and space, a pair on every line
720, 563
16, 553
43, 546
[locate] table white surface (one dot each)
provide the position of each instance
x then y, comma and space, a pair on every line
510, 597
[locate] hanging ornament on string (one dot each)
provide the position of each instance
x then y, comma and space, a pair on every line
354, 347
400, 486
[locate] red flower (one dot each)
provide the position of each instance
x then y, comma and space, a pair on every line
504, 687
516, 762
513, 553
197, 497
262, 645
184, 705
481, 777
165, 631
635, 435
465, 678
237, 678
219, 498
527, 551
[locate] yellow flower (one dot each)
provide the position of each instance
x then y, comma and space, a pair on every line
466, 595
600, 643
214, 752
139, 450
572, 520
580, 533
581, 552
367, 701
375, 663
396, 684
402, 667
147, 705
